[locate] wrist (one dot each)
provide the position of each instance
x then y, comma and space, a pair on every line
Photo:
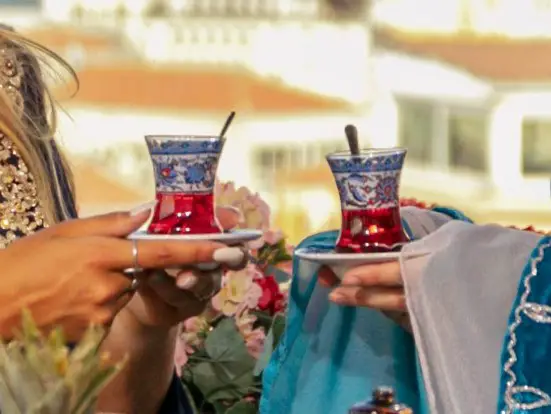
144, 334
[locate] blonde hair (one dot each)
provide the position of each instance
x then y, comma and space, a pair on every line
32, 123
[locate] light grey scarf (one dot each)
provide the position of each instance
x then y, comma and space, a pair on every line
459, 298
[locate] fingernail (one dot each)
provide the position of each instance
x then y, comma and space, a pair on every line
336, 297
142, 208
231, 256
173, 272
186, 281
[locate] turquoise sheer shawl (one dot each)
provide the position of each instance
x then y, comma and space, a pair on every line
330, 356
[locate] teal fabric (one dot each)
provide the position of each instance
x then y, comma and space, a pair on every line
529, 339
326, 364
331, 357
454, 214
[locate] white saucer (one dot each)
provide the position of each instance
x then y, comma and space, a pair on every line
230, 238
340, 262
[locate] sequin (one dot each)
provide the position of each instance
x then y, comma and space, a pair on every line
11, 74
20, 210
540, 314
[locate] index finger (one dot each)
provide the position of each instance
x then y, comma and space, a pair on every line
119, 253
382, 274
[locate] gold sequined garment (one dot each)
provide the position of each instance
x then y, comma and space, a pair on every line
20, 210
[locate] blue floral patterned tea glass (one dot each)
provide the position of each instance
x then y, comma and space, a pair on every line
185, 171
368, 186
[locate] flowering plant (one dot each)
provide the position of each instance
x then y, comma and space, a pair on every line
40, 374
222, 353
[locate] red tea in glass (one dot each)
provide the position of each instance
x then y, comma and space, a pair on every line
368, 185
185, 171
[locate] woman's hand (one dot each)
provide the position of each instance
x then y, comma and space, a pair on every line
376, 286
146, 329
169, 297
72, 275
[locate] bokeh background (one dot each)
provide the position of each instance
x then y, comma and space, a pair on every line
465, 85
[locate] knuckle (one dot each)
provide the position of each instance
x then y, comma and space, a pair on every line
102, 316
164, 252
118, 217
101, 292
105, 289
96, 251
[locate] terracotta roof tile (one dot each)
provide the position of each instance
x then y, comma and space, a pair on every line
491, 57
194, 89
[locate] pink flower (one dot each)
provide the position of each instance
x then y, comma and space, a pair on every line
273, 237
194, 331
255, 212
239, 292
195, 324
189, 336
254, 338
181, 355
244, 323
255, 342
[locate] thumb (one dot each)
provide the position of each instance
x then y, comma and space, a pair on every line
119, 224
228, 217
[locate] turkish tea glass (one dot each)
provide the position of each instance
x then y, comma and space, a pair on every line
368, 185
185, 171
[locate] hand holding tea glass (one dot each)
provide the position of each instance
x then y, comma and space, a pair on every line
170, 296
185, 172
365, 259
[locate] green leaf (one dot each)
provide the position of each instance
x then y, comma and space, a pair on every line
266, 355
56, 400
272, 339
263, 319
242, 407
278, 327
235, 390
220, 407
203, 376
226, 347
215, 385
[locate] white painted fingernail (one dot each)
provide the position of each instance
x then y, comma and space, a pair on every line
231, 256
143, 207
207, 266
186, 281
173, 272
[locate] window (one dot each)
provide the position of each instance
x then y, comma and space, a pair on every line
536, 147
415, 129
468, 144
269, 162
266, 163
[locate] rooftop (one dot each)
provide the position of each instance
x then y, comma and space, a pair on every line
208, 89
494, 58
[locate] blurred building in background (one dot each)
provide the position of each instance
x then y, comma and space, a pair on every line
464, 84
